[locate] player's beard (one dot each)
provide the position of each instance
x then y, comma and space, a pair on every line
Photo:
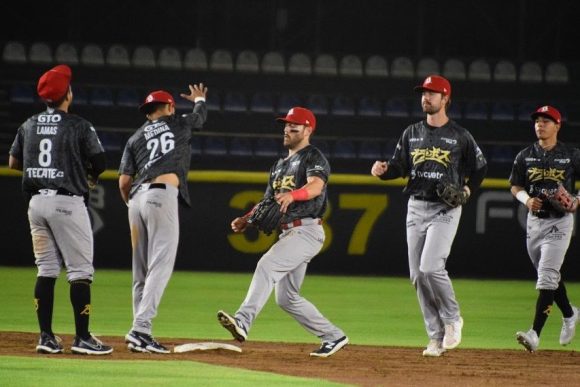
431, 108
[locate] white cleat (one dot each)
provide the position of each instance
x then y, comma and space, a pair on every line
453, 334
569, 327
434, 348
529, 340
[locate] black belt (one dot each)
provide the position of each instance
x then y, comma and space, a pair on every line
157, 185
426, 198
548, 214
60, 191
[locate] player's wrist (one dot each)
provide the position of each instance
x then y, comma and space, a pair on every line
299, 194
523, 197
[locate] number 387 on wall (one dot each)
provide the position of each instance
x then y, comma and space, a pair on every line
370, 206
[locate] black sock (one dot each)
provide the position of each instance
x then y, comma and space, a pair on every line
80, 298
543, 309
44, 302
561, 299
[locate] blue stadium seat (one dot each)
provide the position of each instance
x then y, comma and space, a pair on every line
317, 103
370, 150
101, 96
525, 110
22, 94
215, 146
342, 106
241, 146
235, 101
475, 110
262, 102
128, 98
370, 107
287, 102
396, 107
502, 111
344, 149
267, 147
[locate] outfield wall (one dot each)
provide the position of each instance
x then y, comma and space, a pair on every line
365, 228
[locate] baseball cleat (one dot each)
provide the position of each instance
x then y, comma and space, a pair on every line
48, 343
434, 348
329, 348
233, 325
90, 346
569, 327
452, 336
529, 340
142, 342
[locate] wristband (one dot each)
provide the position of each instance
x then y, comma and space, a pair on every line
523, 197
299, 194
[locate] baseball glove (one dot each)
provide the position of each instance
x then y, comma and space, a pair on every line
562, 200
266, 215
451, 194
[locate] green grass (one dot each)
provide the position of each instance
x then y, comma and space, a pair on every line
371, 310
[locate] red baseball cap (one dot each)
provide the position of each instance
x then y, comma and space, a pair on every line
548, 111
54, 84
159, 96
301, 116
435, 83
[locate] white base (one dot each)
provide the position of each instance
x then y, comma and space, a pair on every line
204, 347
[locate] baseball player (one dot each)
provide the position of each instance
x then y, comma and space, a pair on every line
433, 153
299, 185
153, 178
538, 172
53, 149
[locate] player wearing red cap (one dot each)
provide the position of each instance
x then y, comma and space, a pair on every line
435, 153
298, 183
53, 149
538, 172
153, 178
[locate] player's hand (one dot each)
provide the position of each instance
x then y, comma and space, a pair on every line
284, 199
379, 168
195, 91
239, 224
466, 189
534, 204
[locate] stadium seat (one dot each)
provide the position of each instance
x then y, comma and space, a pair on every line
241, 146
221, 60
101, 96
344, 149
80, 95
525, 110
247, 62
273, 63
317, 103
40, 53
396, 107
128, 98
66, 53
14, 52
479, 70
299, 64
342, 106
504, 71
170, 58
92, 55
475, 110
350, 66
370, 150
287, 102
118, 56
530, 72
195, 59
213, 101
215, 146
402, 67
427, 66
454, 69
267, 147
502, 111
370, 107
262, 102
376, 66
325, 64
556, 72
235, 101
144, 57
22, 94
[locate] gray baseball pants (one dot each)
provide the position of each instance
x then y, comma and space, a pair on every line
431, 228
154, 221
283, 268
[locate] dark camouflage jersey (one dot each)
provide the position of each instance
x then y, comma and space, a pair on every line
292, 173
55, 148
163, 146
539, 172
428, 155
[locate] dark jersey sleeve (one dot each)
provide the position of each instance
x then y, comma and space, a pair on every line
16, 148
127, 166
518, 174
399, 162
197, 118
475, 158
317, 165
90, 143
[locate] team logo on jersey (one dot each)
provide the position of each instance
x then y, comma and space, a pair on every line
536, 174
562, 161
438, 155
450, 141
284, 183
